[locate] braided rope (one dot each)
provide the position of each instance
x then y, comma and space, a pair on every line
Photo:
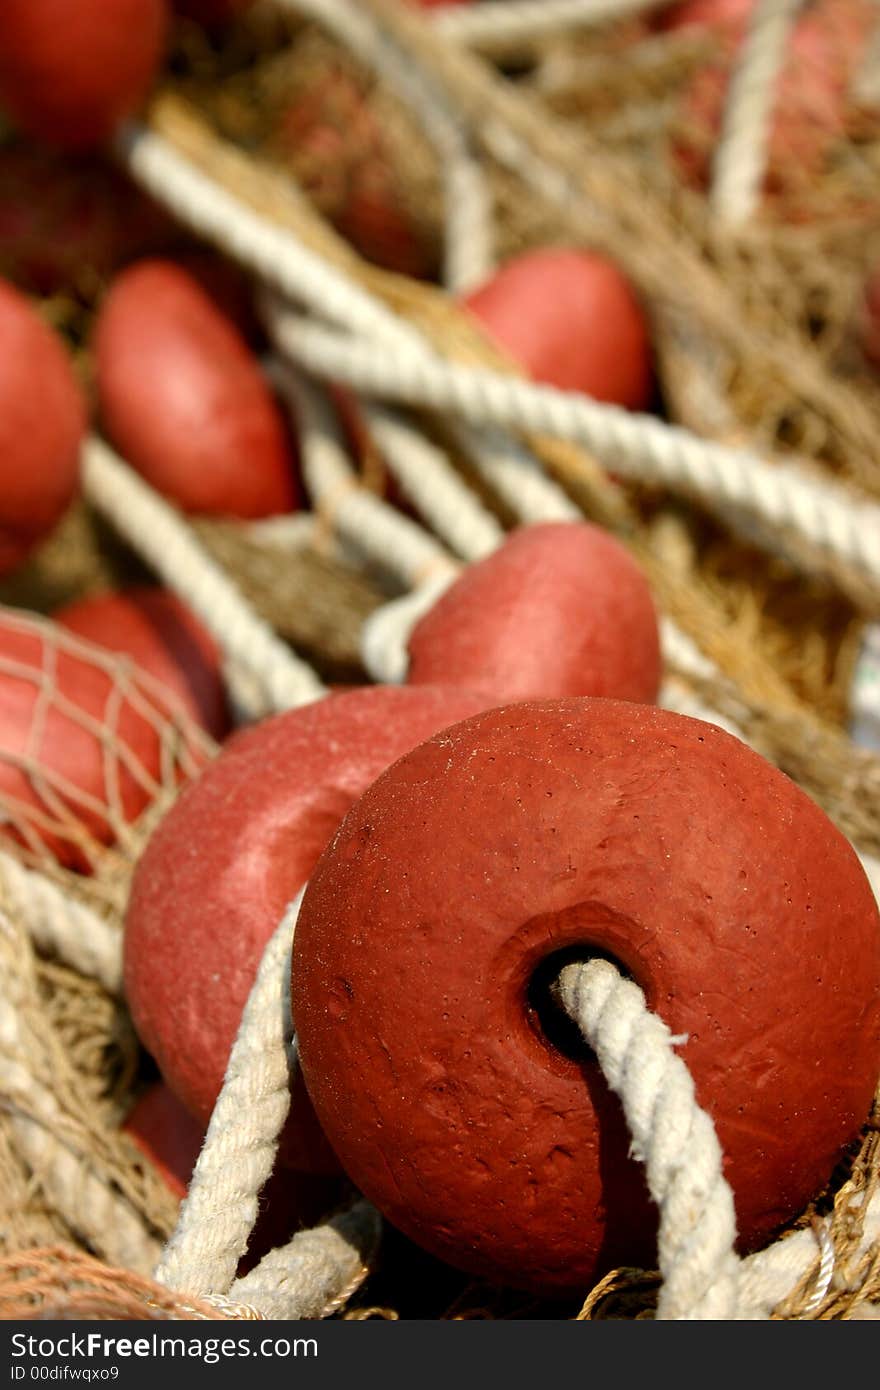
637, 447
391, 540
156, 532
269, 251
62, 927
675, 1140
642, 447
467, 198
741, 154
317, 1272
435, 489
603, 203
768, 1277
309, 1276
220, 1208
297, 531
672, 1136
516, 476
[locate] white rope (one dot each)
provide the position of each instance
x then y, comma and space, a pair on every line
392, 541
271, 252
159, 536
636, 446
741, 155
671, 1136
467, 198
514, 473
639, 447
237, 1157
384, 640
318, 1271
436, 490
768, 1277
675, 1140
220, 1208
296, 531
497, 25
62, 927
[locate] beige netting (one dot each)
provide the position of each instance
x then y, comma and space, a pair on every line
56, 1282
94, 751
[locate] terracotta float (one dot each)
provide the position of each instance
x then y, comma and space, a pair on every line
217, 875
42, 422
571, 319
71, 73
559, 609
487, 857
163, 637
183, 398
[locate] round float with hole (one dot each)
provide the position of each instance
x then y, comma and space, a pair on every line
494, 853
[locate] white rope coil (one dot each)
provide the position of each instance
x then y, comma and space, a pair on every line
740, 157
158, 535
62, 927
635, 446
318, 1271
278, 258
294, 532
220, 1208
767, 1278
271, 252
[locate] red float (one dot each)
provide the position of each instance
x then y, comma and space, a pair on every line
184, 399
42, 422
82, 752
167, 1135
559, 609
71, 73
219, 872
462, 879
572, 320
162, 637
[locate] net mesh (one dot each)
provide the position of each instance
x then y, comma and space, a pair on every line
94, 749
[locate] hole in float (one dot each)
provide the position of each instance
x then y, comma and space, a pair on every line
546, 1016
